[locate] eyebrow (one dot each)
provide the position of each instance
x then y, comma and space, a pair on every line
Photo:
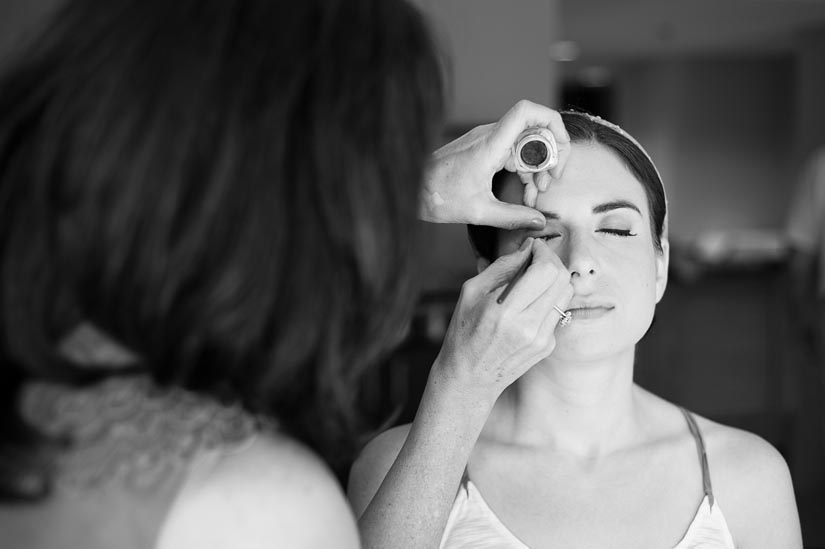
601, 208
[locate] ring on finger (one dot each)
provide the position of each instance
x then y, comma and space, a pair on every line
566, 316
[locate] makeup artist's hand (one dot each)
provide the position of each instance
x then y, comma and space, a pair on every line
489, 344
457, 185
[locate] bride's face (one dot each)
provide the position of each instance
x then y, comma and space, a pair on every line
598, 222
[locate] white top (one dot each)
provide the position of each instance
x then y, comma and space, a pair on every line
473, 524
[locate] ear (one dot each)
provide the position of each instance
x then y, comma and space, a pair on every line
482, 263
662, 263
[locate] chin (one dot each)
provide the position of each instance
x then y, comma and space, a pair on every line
575, 353
588, 347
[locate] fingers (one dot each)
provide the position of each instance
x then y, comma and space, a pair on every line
526, 114
502, 270
530, 189
542, 309
545, 271
531, 194
564, 154
542, 180
523, 115
513, 216
545, 319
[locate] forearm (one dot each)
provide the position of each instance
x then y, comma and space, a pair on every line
411, 507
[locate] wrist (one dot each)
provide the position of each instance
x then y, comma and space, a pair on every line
451, 379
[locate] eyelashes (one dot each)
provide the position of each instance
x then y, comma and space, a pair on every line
614, 232
617, 232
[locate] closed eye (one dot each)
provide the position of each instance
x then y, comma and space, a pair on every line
617, 232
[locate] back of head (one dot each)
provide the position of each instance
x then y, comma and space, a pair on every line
226, 187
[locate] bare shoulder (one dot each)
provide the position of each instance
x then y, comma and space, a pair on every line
752, 485
276, 493
372, 465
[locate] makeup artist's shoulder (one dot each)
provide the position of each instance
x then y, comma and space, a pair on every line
752, 484
275, 493
372, 465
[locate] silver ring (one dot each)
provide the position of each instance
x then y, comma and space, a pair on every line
566, 317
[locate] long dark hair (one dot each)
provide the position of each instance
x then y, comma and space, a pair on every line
228, 188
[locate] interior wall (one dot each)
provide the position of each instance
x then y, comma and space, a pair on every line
810, 91
497, 54
721, 131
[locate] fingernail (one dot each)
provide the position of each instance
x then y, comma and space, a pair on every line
537, 223
526, 244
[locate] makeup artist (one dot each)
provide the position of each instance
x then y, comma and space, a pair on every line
205, 239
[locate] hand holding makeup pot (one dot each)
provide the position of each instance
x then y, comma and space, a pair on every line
530, 139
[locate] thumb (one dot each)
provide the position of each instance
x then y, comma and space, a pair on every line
512, 216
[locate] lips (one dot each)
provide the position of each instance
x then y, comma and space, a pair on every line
589, 312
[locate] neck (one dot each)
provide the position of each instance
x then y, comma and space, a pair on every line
582, 408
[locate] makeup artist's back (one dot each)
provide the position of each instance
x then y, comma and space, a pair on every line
170, 469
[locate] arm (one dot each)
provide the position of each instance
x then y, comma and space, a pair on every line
457, 183
274, 494
404, 484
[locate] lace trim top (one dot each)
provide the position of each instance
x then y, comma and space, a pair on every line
128, 432
473, 524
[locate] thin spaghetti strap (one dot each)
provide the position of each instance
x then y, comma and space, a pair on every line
703, 456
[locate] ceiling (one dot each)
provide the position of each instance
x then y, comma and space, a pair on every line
638, 29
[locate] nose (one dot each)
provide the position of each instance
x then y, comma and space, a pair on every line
579, 257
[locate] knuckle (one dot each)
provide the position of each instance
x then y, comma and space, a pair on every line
504, 318
526, 333
522, 107
469, 290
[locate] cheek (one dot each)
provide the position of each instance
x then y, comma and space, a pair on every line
638, 274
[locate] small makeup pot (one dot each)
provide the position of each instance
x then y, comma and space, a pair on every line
536, 150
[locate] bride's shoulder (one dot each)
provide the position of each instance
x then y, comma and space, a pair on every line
741, 453
752, 483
